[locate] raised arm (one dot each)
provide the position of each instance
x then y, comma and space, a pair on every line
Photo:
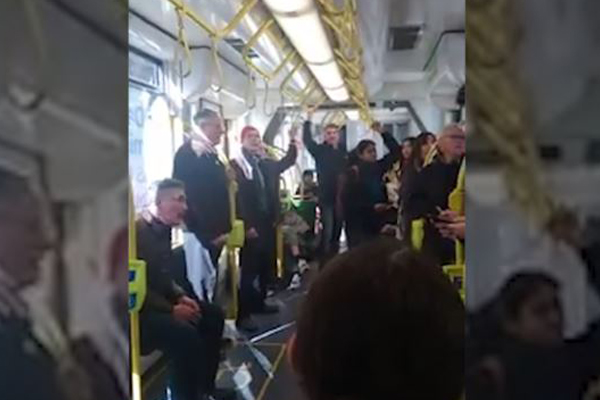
309, 142
289, 159
394, 154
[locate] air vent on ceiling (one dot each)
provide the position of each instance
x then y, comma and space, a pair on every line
404, 37
238, 44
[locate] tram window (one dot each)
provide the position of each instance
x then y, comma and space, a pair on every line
145, 70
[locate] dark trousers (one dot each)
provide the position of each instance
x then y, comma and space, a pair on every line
255, 262
194, 349
355, 231
332, 230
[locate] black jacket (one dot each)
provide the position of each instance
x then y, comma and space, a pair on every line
364, 188
330, 163
206, 187
272, 170
27, 371
154, 247
250, 206
431, 189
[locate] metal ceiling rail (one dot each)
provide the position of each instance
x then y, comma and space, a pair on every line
265, 27
217, 34
212, 31
347, 50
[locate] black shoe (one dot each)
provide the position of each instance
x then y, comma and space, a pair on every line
222, 394
269, 309
247, 324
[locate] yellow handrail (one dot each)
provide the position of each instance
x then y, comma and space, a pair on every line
217, 33
134, 322
266, 25
283, 88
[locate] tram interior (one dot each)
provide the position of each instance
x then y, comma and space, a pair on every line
185, 56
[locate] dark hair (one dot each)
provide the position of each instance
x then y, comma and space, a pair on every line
308, 172
381, 322
363, 145
520, 288
167, 184
412, 141
204, 115
486, 330
420, 141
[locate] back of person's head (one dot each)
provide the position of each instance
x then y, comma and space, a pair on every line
530, 308
380, 322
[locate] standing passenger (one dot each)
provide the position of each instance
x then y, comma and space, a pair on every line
368, 204
198, 166
331, 158
431, 190
258, 180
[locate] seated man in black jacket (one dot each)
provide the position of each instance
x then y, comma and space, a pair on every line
187, 331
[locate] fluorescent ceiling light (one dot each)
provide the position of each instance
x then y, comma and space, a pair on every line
308, 37
329, 74
300, 21
288, 6
338, 95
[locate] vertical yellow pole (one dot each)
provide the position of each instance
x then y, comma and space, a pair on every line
134, 324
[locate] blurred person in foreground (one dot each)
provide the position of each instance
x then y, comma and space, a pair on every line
188, 331
392, 328
27, 369
32, 365
517, 348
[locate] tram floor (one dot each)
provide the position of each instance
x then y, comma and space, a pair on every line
256, 367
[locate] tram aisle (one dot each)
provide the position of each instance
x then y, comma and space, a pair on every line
257, 365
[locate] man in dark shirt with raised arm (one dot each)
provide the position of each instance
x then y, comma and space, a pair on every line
330, 158
187, 331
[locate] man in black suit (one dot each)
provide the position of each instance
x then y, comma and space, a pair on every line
198, 166
258, 205
188, 331
27, 370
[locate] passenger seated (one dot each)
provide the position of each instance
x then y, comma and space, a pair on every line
294, 230
380, 322
308, 188
187, 331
